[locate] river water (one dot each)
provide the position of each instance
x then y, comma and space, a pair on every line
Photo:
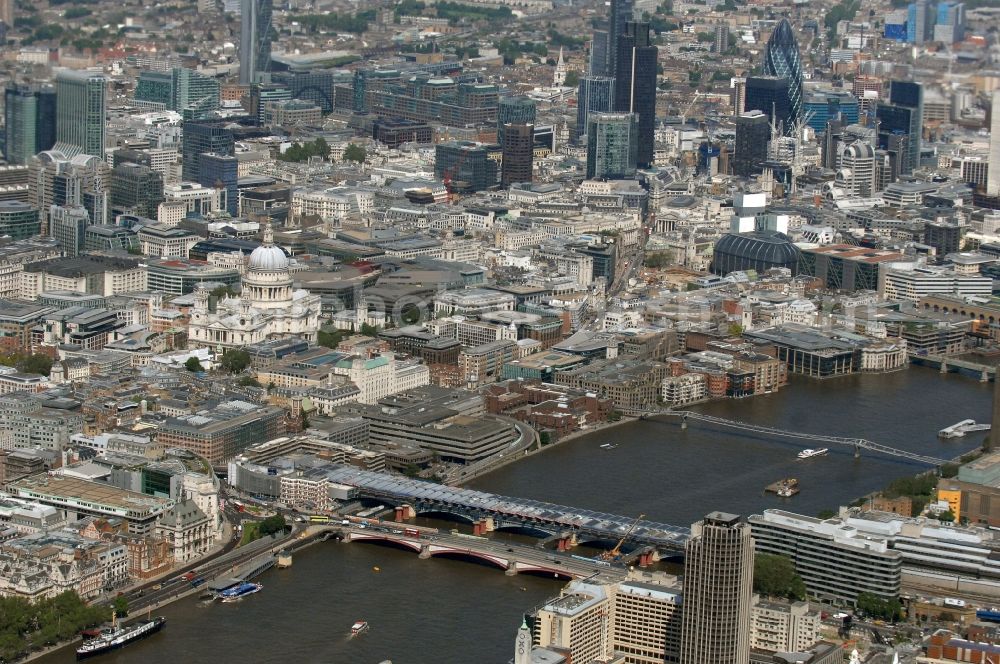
451, 612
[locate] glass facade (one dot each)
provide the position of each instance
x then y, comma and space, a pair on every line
222, 172
202, 137
30, 116
595, 95
255, 39
612, 146
781, 58
81, 109
635, 86
822, 106
19, 220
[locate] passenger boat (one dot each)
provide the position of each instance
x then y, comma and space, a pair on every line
360, 627
119, 636
239, 592
609, 446
810, 453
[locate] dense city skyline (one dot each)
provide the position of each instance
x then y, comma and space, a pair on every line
689, 309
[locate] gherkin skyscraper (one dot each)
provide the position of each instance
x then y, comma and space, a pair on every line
782, 59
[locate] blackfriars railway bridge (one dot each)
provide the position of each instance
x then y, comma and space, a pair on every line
564, 526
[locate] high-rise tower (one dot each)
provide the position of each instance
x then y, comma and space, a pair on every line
621, 13
514, 110
902, 118
612, 145
30, 115
518, 152
718, 589
255, 40
781, 58
596, 94
993, 173
635, 85
81, 110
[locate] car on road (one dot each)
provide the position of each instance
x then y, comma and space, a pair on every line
158, 586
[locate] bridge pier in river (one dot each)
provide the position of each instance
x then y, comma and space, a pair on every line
404, 512
944, 366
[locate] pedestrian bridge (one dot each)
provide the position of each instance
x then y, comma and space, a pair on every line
506, 513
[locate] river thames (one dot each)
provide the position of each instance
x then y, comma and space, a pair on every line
444, 611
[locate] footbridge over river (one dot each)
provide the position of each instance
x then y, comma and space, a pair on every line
571, 525
857, 443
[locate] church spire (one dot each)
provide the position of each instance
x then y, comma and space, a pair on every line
559, 78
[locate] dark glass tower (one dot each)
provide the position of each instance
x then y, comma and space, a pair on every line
255, 40
596, 94
770, 95
598, 65
781, 58
199, 138
621, 13
903, 116
514, 110
635, 85
518, 151
222, 172
752, 134
30, 115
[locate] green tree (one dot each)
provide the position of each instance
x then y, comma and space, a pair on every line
330, 339
248, 381
223, 291
572, 79
775, 576
121, 606
272, 525
735, 329
193, 365
369, 330
658, 259
544, 438
948, 517
705, 37
874, 606
356, 153
235, 360
826, 514
36, 364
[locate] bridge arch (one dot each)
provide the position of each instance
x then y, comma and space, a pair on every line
383, 539
455, 554
546, 572
526, 529
448, 515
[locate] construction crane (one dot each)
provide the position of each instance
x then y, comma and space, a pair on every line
616, 552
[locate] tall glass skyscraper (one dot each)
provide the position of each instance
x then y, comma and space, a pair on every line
30, 116
903, 116
81, 110
781, 58
255, 40
596, 94
612, 145
621, 13
718, 591
514, 111
635, 85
